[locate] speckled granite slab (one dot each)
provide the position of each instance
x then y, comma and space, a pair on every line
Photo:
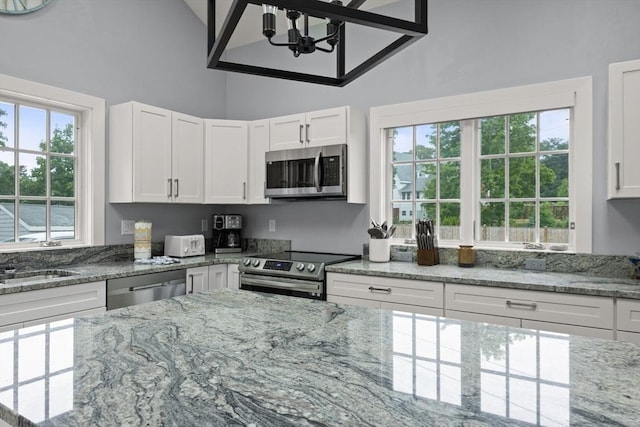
241, 358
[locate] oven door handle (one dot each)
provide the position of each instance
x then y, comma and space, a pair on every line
281, 283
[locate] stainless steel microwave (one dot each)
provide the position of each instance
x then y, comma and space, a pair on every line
307, 172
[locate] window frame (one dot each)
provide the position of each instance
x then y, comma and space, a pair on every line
575, 94
90, 173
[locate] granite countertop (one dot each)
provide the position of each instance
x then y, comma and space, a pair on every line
243, 358
86, 273
516, 279
507, 278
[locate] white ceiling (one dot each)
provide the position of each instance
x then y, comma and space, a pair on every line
243, 36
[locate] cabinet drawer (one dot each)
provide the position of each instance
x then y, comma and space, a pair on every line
386, 305
384, 289
533, 305
33, 305
628, 315
628, 336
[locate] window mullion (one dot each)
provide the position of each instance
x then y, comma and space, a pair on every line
469, 174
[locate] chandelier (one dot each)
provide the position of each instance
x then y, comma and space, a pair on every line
300, 42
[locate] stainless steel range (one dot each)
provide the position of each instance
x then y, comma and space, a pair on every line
294, 273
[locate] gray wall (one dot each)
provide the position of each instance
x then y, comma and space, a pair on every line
472, 45
152, 51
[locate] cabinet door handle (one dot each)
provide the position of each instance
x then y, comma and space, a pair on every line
385, 290
531, 305
617, 176
191, 278
170, 188
308, 132
244, 191
177, 188
301, 140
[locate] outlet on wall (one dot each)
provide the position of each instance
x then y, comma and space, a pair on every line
204, 225
127, 227
272, 225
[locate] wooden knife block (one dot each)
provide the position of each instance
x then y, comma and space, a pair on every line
428, 256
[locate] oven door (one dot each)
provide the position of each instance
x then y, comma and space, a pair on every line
284, 286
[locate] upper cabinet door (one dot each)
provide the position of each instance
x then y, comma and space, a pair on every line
326, 127
624, 129
258, 146
187, 159
226, 161
314, 129
287, 132
151, 154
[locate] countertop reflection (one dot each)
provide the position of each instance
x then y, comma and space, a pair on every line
236, 357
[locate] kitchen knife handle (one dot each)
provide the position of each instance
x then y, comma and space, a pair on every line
385, 290
532, 305
308, 133
170, 188
301, 140
617, 176
177, 190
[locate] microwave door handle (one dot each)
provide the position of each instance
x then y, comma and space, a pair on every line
317, 178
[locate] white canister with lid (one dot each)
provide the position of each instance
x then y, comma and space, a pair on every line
142, 239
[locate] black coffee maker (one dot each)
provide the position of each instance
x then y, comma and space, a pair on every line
226, 233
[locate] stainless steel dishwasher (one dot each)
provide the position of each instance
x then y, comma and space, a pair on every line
145, 288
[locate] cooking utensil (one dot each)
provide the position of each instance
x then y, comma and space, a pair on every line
376, 233
391, 230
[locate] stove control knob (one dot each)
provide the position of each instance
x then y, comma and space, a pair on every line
256, 262
246, 261
311, 268
300, 266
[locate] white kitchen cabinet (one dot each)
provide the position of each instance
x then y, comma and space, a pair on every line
547, 310
43, 305
218, 276
628, 320
197, 279
313, 129
624, 129
233, 276
226, 157
258, 146
155, 155
415, 296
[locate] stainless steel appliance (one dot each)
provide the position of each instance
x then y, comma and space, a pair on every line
307, 172
134, 290
227, 233
184, 246
294, 273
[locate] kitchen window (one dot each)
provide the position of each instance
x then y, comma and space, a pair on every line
52, 167
501, 169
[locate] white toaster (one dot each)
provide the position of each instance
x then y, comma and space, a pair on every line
183, 246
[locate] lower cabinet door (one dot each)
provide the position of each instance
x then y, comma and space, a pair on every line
233, 277
568, 329
218, 276
628, 336
197, 279
353, 301
483, 318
